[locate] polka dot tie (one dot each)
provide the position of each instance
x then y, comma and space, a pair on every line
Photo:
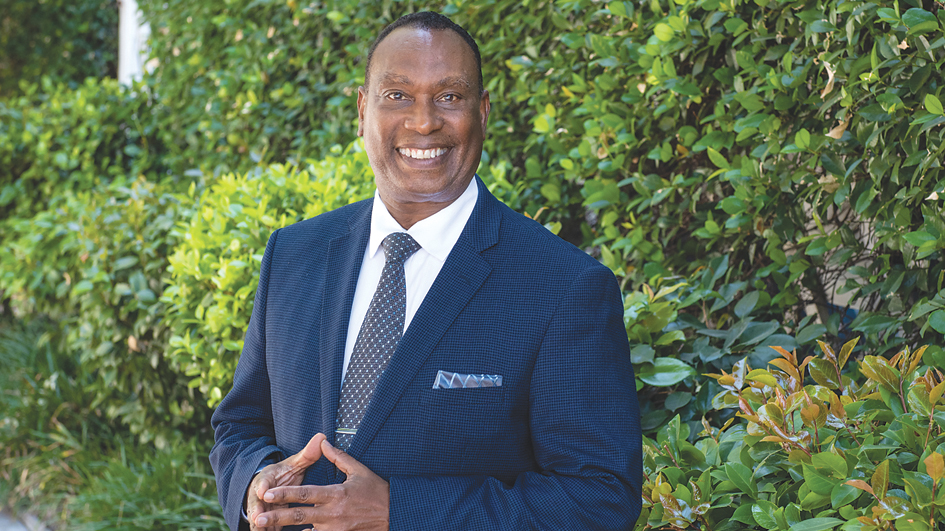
383, 325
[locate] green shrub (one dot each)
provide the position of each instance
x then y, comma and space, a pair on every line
861, 449
62, 459
55, 140
67, 40
700, 129
214, 268
95, 263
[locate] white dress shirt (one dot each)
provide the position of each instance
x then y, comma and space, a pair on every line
436, 235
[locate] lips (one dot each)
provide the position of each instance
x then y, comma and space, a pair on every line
422, 154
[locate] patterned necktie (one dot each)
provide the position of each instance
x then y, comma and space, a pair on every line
383, 325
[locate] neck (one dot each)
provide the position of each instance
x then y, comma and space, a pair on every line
407, 215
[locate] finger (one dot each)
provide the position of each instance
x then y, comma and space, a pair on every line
345, 463
263, 485
310, 454
306, 494
287, 516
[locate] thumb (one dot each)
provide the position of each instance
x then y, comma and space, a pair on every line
308, 455
345, 463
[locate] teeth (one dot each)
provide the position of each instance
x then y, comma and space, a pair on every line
422, 153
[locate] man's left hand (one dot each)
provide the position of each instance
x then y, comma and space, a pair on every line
361, 502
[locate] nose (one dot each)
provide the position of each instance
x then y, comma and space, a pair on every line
424, 118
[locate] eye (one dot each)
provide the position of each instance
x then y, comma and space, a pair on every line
451, 98
396, 96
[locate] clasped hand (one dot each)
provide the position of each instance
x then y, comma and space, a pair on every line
361, 502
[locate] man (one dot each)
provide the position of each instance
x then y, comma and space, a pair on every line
473, 366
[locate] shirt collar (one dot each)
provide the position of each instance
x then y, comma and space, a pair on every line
436, 234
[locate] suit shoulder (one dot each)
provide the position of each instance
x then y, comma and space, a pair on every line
536, 241
326, 226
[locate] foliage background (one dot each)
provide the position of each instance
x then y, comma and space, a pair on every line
756, 173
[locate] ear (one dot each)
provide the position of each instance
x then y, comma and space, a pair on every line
484, 108
362, 101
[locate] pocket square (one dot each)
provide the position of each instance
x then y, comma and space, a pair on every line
455, 380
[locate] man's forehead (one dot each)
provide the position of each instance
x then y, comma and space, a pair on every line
405, 43
393, 78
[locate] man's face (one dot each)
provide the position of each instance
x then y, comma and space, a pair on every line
422, 119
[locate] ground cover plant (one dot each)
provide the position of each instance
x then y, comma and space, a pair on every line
63, 459
818, 448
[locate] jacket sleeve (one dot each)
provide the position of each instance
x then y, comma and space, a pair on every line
242, 424
585, 431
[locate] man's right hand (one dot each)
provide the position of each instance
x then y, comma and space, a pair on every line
285, 473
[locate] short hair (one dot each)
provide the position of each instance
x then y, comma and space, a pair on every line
429, 21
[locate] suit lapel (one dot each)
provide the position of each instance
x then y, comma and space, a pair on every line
460, 278
345, 255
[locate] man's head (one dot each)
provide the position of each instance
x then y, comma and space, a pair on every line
423, 115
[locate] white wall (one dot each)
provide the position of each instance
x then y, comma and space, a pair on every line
133, 35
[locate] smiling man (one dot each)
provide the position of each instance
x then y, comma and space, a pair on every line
429, 359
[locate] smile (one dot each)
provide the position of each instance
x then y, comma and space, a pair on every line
421, 154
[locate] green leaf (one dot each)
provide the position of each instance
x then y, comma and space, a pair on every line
642, 354
912, 522
810, 333
932, 103
824, 373
937, 321
763, 513
843, 494
665, 372
124, 263
822, 26
917, 238
876, 324
551, 192
880, 479
82, 287
816, 524
618, 9
802, 139
669, 337
919, 21
830, 462
677, 400
747, 304
663, 32
818, 482
718, 159
874, 113
146, 295
740, 475
755, 332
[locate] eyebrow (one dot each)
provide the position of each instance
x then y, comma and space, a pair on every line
451, 81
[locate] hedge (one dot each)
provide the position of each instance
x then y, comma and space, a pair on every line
861, 453
756, 174
95, 263
66, 40
214, 270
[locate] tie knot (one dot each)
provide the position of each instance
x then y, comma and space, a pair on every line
398, 247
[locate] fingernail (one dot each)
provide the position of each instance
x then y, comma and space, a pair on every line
262, 520
268, 497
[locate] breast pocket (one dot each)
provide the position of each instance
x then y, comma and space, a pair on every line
453, 421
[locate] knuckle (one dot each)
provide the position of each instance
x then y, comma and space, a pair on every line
304, 494
298, 516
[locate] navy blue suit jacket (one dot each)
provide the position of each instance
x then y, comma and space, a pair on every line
557, 446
